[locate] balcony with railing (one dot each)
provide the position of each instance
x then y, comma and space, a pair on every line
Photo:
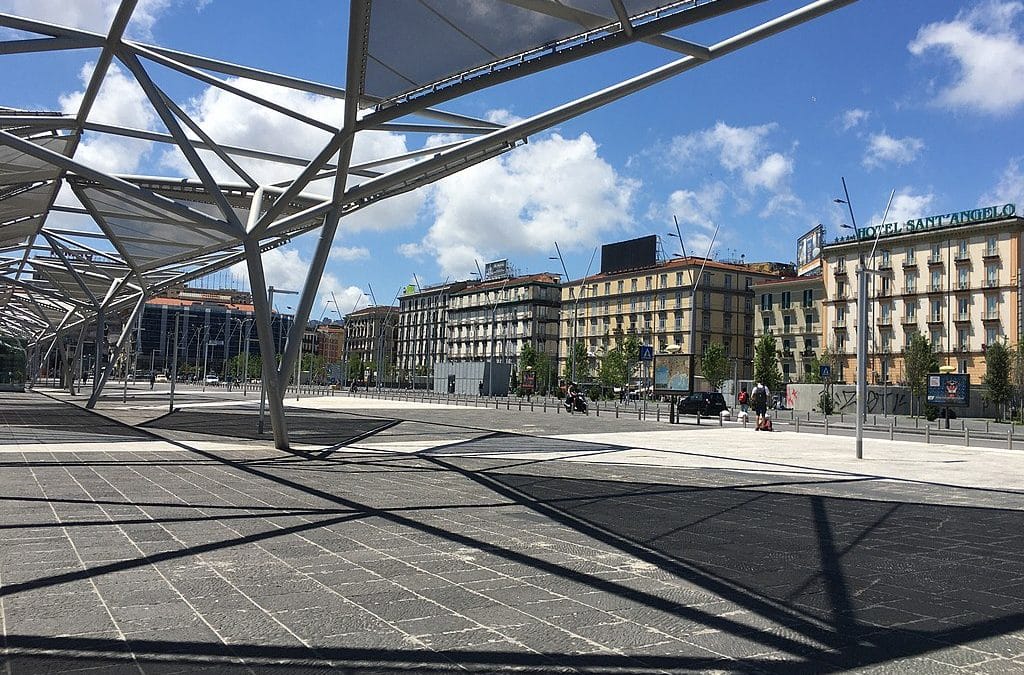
935, 260
963, 285
910, 289
936, 288
990, 316
909, 262
962, 258
991, 253
936, 318
992, 282
910, 319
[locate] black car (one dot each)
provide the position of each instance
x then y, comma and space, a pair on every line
707, 403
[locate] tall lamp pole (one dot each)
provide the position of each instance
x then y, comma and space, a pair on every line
862, 317
575, 305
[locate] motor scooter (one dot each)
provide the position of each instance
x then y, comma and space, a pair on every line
576, 403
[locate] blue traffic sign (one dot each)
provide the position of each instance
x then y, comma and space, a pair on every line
825, 372
646, 353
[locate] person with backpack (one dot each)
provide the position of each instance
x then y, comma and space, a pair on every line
744, 399
759, 400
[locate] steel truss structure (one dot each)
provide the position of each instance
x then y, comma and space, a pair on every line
110, 241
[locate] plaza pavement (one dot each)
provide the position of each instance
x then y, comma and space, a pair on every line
422, 538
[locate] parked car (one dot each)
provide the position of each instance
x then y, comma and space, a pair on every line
707, 403
211, 380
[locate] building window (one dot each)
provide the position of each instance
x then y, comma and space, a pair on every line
808, 323
992, 245
808, 297
728, 281
961, 249
963, 306
748, 350
886, 312
679, 278
748, 305
840, 315
936, 253
766, 325
663, 280
707, 300
912, 310
766, 302
841, 263
728, 303
621, 285
911, 254
647, 283
748, 282
936, 314
705, 321
679, 299
991, 276
936, 284
787, 324
885, 258
841, 289
963, 279
786, 299
661, 301
727, 324
962, 337
992, 307
886, 285
911, 281
936, 337
647, 303
990, 335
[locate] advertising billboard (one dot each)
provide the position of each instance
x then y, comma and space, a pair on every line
808, 250
949, 389
629, 255
673, 374
497, 269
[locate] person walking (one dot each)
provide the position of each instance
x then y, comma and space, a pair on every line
759, 400
744, 399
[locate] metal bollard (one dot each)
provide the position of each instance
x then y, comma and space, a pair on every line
657, 415
721, 421
616, 411
927, 433
841, 416
698, 418
986, 426
744, 422
826, 425
597, 409
892, 431
967, 437
1009, 440
797, 420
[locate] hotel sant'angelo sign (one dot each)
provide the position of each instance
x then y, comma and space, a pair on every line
934, 222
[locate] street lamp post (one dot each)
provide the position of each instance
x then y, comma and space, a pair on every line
571, 360
862, 317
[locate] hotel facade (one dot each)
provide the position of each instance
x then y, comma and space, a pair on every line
954, 278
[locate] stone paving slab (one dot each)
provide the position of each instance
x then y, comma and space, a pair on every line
480, 556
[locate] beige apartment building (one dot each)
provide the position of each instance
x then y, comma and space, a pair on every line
955, 278
370, 339
791, 310
497, 318
661, 305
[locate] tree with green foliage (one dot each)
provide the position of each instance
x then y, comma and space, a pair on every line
579, 362
1017, 370
614, 371
544, 373
527, 357
998, 388
714, 365
919, 360
355, 368
766, 362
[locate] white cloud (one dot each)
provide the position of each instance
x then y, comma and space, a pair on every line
905, 205
286, 268
988, 53
1009, 189
853, 118
91, 15
232, 120
349, 253
120, 102
553, 189
743, 151
883, 148
697, 212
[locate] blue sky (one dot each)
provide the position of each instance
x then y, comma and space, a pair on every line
924, 98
